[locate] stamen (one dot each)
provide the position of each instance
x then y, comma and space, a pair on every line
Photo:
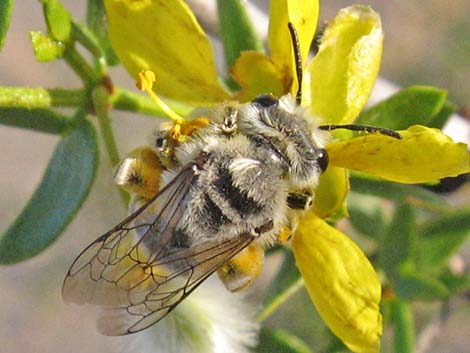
181, 128
145, 83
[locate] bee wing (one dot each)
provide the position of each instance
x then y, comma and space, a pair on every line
161, 291
134, 274
103, 272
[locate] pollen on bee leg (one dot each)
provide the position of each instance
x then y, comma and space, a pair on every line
284, 235
175, 133
241, 271
139, 173
180, 131
188, 127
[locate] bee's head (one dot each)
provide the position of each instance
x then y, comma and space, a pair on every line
279, 125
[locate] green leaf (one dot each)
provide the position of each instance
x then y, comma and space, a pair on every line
368, 221
403, 325
456, 283
58, 20
439, 120
63, 189
401, 193
43, 120
280, 341
236, 31
457, 221
6, 7
412, 105
420, 287
440, 238
45, 48
97, 23
433, 253
397, 243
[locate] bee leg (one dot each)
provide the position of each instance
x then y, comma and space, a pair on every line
264, 228
285, 235
300, 200
241, 271
139, 173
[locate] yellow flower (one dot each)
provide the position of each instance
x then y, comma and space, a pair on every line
167, 39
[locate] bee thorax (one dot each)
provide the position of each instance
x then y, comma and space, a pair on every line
283, 130
237, 192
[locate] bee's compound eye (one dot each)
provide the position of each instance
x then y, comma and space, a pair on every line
266, 100
322, 159
160, 142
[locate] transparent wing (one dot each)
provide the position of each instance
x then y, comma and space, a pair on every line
160, 292
135, 273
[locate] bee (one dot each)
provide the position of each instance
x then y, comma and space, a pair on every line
228, 193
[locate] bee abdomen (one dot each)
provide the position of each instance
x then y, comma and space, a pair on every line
213, 215
237, 198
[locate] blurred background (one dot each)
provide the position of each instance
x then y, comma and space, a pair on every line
426, 42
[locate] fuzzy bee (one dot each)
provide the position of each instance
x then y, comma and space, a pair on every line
228, 191
226, 199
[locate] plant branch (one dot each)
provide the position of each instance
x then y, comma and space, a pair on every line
280, 299
84, 36
80, 66
403, 327
30, 98
101, 103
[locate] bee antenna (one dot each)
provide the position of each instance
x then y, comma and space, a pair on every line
298, 61
363, 128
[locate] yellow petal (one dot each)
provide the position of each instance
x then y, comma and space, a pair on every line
257, 75
331, 192
422, 155
303, 14
167, 39
341, 283
343, 72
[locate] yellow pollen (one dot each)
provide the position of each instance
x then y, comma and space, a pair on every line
284, 235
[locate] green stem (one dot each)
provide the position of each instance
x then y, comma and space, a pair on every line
403, 327
280, 299
101, 103
80, 66
21, 97
108, 137
85, 37
129, 101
